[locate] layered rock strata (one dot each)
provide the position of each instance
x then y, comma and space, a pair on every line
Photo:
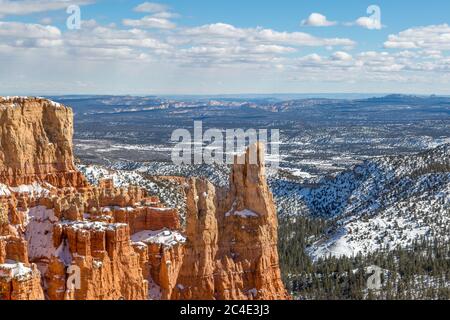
231, 249
63, 239
36, 143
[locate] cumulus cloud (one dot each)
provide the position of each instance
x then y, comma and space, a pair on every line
151, 7
25, 7
380, 66
224, 44
342, 56
220, 46
434, 37
318, 20
150, 22
216, 44
369, 23
18, 30
92, 41
226, 31
159, 18
15, 35
104, 37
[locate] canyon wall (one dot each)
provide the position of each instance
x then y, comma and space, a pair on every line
36, 143
64, 239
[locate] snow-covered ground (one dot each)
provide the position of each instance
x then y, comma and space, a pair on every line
34, 189
385, 203
164, 237
15, 270
39, 233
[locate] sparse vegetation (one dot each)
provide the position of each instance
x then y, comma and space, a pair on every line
420, 272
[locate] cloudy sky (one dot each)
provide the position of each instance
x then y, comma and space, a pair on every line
224, 46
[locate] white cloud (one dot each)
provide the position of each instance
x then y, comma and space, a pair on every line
369, 23
434, 37
224, 50
150, 22
432, 54
15, 35
92, 41
221, 44
110, 38
381, 66
111, 53
215, 44
221, 31
318, 20
314, 57
342, 56
215, 29
151, 7
166, 15
19, 30
159, 18
302, 39
25, 7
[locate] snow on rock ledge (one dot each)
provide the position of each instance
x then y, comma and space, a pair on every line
17, 271
163, 237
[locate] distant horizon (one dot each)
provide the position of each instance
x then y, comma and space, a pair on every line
288, 96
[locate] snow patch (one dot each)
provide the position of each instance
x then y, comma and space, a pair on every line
17, 271
93, 225
243, 214
164, 237
34, 189
39, 232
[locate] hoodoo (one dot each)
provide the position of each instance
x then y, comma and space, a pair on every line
62, 238
231, 250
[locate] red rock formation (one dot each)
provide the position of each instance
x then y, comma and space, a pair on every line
231, 250
109, 268
70, 240
19, 282
36, 143
47, 220
147, 218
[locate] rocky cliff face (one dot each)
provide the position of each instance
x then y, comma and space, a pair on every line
36, 143
231, 250
63, 239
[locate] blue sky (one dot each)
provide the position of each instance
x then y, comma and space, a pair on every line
214, 47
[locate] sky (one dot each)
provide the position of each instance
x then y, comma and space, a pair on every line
224, 47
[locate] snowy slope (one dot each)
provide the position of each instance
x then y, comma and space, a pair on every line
384, 203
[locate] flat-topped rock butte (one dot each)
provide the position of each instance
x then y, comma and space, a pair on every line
124, 243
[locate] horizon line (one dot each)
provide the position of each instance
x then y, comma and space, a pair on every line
312, 94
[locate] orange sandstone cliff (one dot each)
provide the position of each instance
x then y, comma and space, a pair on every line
36, 143
64, 239
231, 249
